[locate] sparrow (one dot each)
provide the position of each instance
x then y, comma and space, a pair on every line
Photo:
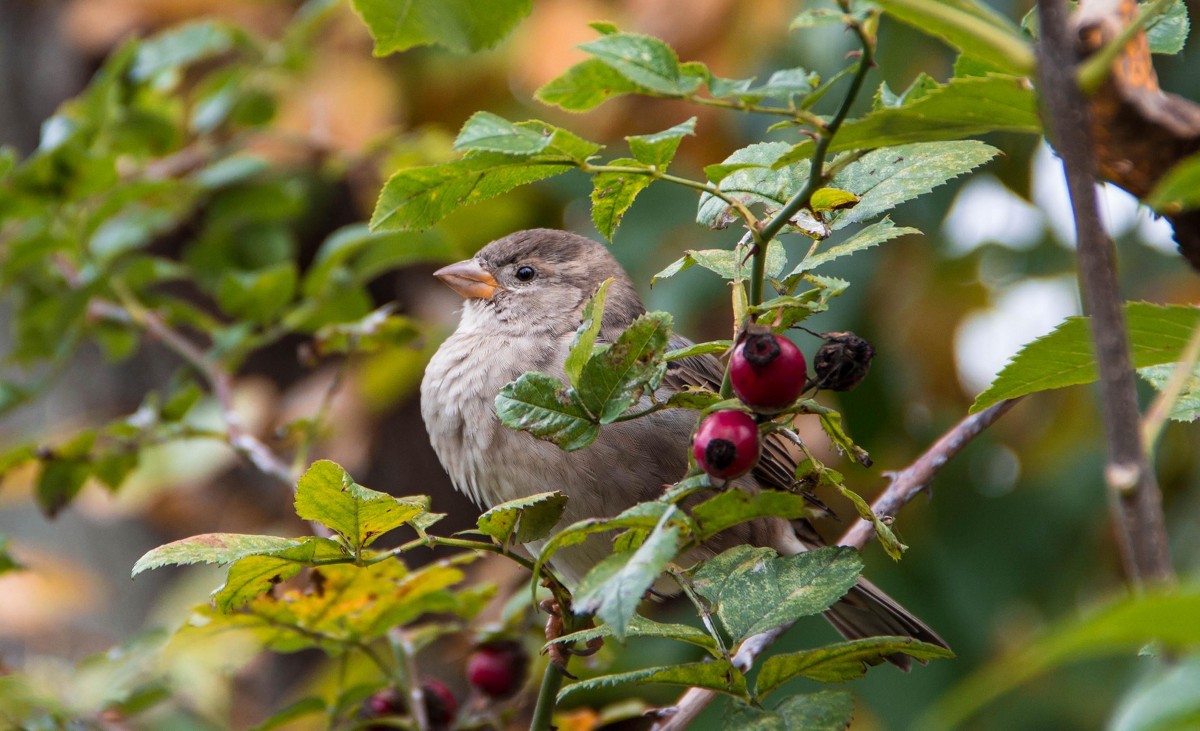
524, 296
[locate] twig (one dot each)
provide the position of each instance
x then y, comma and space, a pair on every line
1134, 497
905, 485
910, 481
1156, 415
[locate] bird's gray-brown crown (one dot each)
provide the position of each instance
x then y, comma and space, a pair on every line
539, 280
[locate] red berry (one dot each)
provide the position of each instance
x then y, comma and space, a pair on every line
767, 371
440, 705
726, 444
497, 669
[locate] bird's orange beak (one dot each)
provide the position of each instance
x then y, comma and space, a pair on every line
469, 279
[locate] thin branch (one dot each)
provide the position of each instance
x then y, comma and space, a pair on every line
910, 481
1134, 497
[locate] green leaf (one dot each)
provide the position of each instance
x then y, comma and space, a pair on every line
59, 483
459, 25
826, 710
644, 61
1187, 406
585, 86
169, 51
1162, 702
752, 590
720, 676
841, 661
752, 180
416, 198
328, 495
1168, 32
7, 562
639, 626
216, 548
525, 519
613, 194
873, 235
727, 263
543, 406
490, 132
258, 295
614, 377
714, 347
614, 587
1065, 357
737, 506
883, 179
585, 335
292, 711
960, 108
829, 199
1165, 618
377, 330
1179, 189
971, 27
642, 516
253, 575
659, 149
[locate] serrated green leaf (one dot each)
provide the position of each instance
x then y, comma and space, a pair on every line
1179, 189
826, 710
614, 378
727, 263
1065, 356
831, 423
417, 198
614, 587
886, 178
493, 133
216, 548
720, 676
659, 149
752, 590
873, 235
524, 519
585, 86
1164, 618
613, 194
752, 181
639, 626
642, 516
841, 661
585, 335
546, 408
459, 25
971, 27
714, 347
328, 495
737, 506
960, 108
1187, 405
644, 61
1167, 34
253, 575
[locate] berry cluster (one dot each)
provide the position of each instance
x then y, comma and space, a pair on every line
768, 373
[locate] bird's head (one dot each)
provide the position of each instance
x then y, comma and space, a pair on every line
538, 281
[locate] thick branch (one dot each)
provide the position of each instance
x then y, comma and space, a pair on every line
1135, 500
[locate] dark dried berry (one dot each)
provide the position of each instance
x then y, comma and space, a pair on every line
767, 371
842, 362
726, 444
498, 669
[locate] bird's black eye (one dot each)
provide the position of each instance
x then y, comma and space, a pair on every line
526, 273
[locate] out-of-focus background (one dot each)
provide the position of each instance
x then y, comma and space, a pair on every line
1014, 537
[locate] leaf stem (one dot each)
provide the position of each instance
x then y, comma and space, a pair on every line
547, 700
816, 176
